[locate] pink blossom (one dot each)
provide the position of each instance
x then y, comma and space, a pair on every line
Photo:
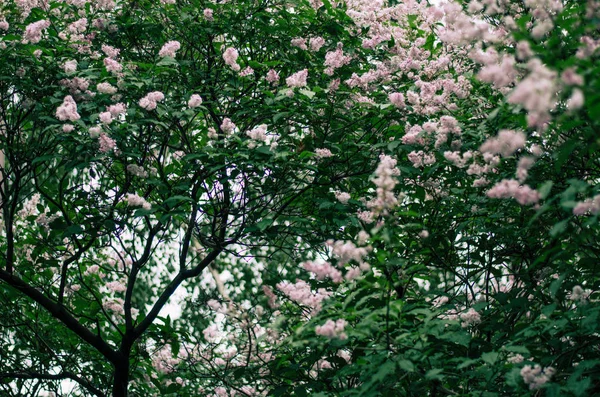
272, 299
195, 101
230, 57
322, 270
33, 31
536, 377
114, 305
362, 237
421, 158
169, 49
212, 133
68, 110
315, 43
397, 99
342, 197
68, 128
95, 131
334, 85
524, 51
105, 117
110, 51
570, 77
248, 71
106, 88
208, 14
541, 28
149, 102
365, 216
536, 93
335, 60
589, 206
576, 101
506, 143
323, 153
440, 301
578, 294
471, 317
510, 188
332, 329
137, 170
523, 166
297, 79
227, 126
515, 359
385, 182
258, 133
588, 48
93, 269
316, 4
301, 293
117, 109
413, 135
116, 286
112, 65
3, 25
272, 76
347, 251
133, 200
163, 360
352, 273
500, 75
106, 143
70, 66
300, 43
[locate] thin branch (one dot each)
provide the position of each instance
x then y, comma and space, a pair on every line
59, 312
63, 375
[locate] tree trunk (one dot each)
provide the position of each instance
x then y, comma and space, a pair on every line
121, 378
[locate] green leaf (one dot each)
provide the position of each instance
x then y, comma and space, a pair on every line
559, 228
435, 373
544, 189
406, 365
490, 357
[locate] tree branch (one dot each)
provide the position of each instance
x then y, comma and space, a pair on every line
59, 312
63, 375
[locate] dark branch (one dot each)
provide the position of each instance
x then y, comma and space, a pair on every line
60, 313
63, 375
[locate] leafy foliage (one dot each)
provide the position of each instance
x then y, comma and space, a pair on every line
339, 198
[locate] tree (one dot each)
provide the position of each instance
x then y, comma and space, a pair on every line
389, 199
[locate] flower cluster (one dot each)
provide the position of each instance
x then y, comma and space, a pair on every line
536, 377
385, 182
510, 188
332, 329
298, 79
33, 31
133, 200
149, 102
169, 49
227, 126
505, 144
300, 292
470, 317
323, 270
195, 101
68, 110
230, 57
106, 143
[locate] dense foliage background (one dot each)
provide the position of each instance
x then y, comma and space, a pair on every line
353, 198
